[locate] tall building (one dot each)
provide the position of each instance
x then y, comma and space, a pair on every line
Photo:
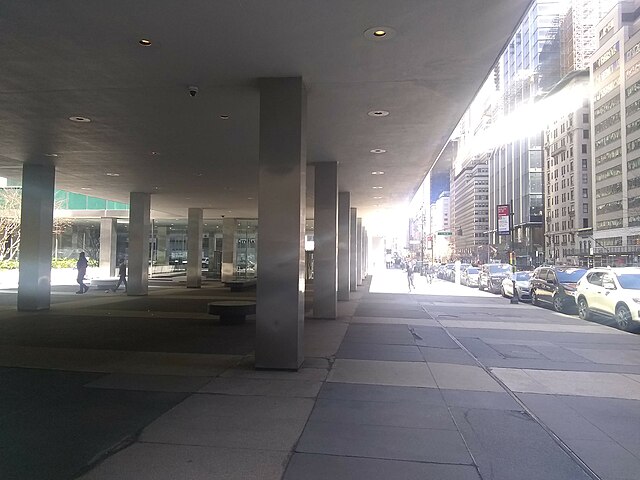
567, 174
441, 233
615, 87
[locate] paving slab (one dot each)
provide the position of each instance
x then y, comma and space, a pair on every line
304, 466
384, 442
367, 351
463, 377
148, 461
478, 400
447, 355
608, 459
266, 387
150, 383
381, 393
402, 374
394, 414
510, 445
267, 423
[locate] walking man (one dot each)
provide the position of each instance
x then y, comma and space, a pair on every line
81, 266
122, 273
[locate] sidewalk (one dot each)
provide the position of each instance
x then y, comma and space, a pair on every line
443, 383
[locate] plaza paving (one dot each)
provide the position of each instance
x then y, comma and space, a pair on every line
444, 382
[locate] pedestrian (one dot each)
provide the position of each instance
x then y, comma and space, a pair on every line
122, 273
81, 266
410, 276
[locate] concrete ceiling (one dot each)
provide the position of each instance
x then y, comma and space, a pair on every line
82, 58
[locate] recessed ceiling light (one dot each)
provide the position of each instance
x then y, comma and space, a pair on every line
154, 153
85, 188
109, 174
379, 33
378, 113
145, 42
249, 198
377, 198
377, 173
378, 150
50, 154
224, 117
80, 119
377, 188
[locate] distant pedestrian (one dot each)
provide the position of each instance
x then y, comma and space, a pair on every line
122, 273
81, 266
410, 276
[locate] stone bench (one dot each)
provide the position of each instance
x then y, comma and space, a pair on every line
239, 284
107, 283
231, 311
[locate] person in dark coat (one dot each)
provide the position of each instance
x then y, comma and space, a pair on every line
81, 266
122, 273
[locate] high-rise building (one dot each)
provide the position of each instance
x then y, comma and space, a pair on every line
615, 131
567, 175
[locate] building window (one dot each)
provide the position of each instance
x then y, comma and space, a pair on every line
584, 148
585, 118
585, 133
585, 178
585, 163
585, 193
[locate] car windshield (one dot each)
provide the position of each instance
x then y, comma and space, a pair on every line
471, 271
629, 280
499, 268
571, 275
523, 276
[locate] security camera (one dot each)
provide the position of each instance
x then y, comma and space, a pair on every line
193, 91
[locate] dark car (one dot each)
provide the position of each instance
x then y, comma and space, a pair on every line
556, 287
491, 276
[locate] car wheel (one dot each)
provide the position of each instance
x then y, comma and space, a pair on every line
623, 317
534, 298
504, 294
583, 309
480, 287
558, 304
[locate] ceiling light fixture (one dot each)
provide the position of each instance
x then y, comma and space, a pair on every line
154, 153
224, 117
145, 42
377, 173
85, 188
377, 198
80, 119
377, 188
378, 150
378, 113
379, 33
50, 154
109, 174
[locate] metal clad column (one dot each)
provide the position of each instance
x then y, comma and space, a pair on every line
36, 236
228, 248
194, 248
344, 229
359, 251
108, 239
325, 255
353, 255
281, 217
139, 231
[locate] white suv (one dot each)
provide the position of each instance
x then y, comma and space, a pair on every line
612, 292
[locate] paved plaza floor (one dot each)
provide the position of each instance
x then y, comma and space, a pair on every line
440, 383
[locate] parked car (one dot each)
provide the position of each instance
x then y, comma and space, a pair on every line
491, 276
611, 292
556, 286
469, 276
523, 287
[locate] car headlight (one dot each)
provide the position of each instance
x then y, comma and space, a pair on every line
571, 293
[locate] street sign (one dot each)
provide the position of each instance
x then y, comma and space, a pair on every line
504, 220
446, 234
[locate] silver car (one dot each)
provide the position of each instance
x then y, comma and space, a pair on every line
523, 289
470, 277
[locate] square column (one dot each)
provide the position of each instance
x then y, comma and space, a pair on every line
344, 232
228, 248
139, 231
359, 250
194, 248
36, 237
281, 217
108, 241
353, 254
325, 254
